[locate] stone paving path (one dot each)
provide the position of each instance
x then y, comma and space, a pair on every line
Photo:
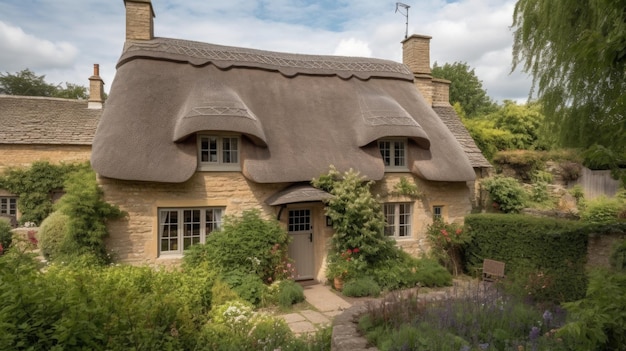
326, 303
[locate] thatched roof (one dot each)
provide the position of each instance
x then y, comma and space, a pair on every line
42, 120
299, 114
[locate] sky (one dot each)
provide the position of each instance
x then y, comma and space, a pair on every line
62, 39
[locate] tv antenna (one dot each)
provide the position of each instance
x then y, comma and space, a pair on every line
405, 14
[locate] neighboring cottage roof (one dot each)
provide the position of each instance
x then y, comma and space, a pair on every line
300, 114
451, 119
43, 120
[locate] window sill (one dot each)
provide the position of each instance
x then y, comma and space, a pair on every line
221, 168
396, 170
169, 256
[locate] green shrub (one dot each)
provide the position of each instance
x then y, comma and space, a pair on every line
407, 272
540, 176
598, 321
247, 244
618, 257
289, 293
84, 205
247, 285
507, 193
579, 194
6, 235
430, 273
361, 286
539, 195
51, 235
536, 251
221, 293
525, 162
602, 210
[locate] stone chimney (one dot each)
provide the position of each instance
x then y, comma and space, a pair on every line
139, 23
441, 92
416, 55
96, 89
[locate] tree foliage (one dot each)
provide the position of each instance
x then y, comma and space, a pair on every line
576, 53
27, 83
465, 88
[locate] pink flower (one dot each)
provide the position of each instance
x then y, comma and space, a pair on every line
444, 232
355, 250
458, 231
1, 249
31, 237
349, 251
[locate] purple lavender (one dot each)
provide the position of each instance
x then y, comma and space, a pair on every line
547, 318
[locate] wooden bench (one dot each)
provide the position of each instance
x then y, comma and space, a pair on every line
492, 270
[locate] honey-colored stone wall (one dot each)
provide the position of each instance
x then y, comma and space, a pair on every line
25, 155
454, 197
134, 239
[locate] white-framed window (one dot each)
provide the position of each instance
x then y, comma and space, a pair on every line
8, 206
393, 152
398, 219
219, 152
179, 228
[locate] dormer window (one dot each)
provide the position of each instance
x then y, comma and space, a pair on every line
219, 152
393, 152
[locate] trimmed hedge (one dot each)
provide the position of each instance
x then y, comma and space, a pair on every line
544, 257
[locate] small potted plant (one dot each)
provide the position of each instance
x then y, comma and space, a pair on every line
341, 266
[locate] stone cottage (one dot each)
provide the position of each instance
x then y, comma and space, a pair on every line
55, 130
194, 131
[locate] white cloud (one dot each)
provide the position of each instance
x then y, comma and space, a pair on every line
63, 39
19, 50
353, 47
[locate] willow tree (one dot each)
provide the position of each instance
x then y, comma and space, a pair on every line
575, 51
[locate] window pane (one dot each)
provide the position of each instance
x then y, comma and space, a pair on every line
385, 151
230, 150
213, 220
13, 207
405, 220
169, 230
191, 227
212, 150
299, 220
399, 153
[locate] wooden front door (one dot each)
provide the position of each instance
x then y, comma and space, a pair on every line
301, 246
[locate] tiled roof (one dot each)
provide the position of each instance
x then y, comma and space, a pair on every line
452, 120
42, 120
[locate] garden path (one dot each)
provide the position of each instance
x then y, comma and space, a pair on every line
326, 303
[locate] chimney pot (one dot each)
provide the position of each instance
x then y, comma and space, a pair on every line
96, 89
